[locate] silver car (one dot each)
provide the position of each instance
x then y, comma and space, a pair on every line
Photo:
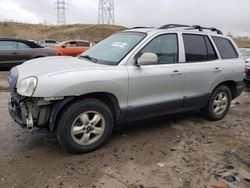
135, 74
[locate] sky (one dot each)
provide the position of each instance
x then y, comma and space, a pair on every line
228, 15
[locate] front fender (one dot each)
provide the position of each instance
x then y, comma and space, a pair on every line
78, 83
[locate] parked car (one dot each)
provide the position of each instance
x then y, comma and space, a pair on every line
134, 74
247, 77
16, 51
245, 53
72, 47
47, 42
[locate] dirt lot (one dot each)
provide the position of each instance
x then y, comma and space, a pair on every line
169, 152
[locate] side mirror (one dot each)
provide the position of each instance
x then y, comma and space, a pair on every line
148, 59
64, 46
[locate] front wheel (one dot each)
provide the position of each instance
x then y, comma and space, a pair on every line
218, 104
84, 126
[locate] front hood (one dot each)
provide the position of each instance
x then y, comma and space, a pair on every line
55, 65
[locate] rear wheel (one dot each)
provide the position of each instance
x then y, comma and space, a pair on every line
85, 126
218, 104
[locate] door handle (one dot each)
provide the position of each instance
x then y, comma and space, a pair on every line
217, 69
176, 72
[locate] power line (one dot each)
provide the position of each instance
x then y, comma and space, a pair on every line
106, 12
61, 12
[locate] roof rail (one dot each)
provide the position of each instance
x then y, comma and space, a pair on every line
189, 27
200, 28
169, 26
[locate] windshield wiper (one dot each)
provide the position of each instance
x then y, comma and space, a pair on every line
89, 58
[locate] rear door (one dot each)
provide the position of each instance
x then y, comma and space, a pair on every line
69, 49
25, 52
202, 68
8, 54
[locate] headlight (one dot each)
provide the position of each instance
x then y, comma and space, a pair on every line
27, 86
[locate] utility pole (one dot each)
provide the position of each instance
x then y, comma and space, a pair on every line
106, 12
61, 9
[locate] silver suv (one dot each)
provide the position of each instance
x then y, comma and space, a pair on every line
135, 74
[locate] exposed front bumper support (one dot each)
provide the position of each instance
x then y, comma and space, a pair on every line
29, 113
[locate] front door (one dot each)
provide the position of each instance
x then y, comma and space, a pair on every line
156, 89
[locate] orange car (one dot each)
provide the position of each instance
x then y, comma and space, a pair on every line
72, 47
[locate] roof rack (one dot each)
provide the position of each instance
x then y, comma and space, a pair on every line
188, 27
200, 28
169, 26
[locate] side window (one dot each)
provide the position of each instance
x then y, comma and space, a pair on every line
198, 48
211, 54
8, 45
195, 48
22, 45
225, 47
165, 47
83, 44
71, 44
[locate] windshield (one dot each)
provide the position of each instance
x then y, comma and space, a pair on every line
62, 43
245, 52
113, 49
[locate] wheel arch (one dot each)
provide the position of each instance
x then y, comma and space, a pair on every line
231, 85
107, 98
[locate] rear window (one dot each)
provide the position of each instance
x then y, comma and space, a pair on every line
225, 47
198, 48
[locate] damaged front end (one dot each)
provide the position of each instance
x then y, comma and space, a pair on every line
33, 112
30, 113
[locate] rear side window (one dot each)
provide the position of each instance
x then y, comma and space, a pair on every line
198, 48
83, 44
210, 49
225, 47
22, 46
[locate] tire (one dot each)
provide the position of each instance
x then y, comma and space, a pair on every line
219, 103
84, 126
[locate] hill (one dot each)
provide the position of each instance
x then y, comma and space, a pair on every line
64, 32
75, 31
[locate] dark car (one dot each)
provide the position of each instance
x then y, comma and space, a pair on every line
16, 51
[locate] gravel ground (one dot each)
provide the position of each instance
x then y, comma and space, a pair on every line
168, 152
3, 81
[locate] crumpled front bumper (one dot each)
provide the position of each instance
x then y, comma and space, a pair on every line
15, 112
28, 112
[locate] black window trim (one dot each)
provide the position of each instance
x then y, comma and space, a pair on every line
178, 49
212, 44
230, 42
